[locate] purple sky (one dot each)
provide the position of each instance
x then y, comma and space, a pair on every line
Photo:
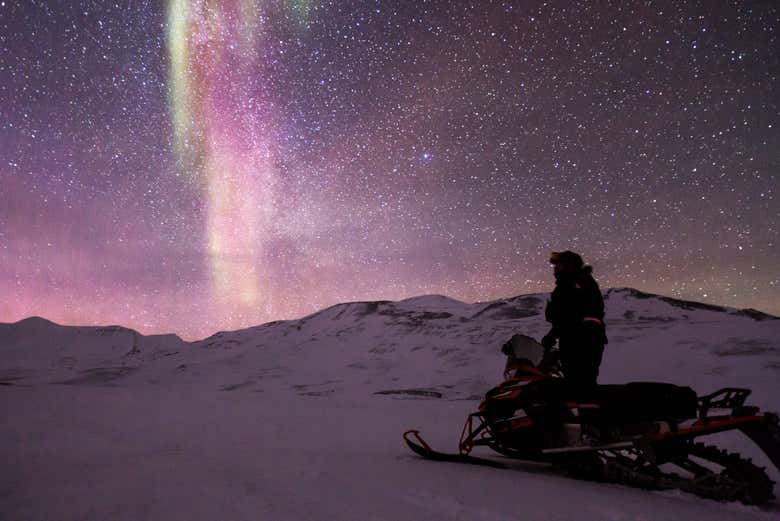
194, 166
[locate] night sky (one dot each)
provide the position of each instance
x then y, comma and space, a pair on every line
192, 166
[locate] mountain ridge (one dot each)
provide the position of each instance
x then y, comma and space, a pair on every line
481, 308
428, 343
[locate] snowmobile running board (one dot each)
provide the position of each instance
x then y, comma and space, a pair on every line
589, 448
763, 430
421, 448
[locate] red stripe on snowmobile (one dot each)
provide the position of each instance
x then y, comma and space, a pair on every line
707, 425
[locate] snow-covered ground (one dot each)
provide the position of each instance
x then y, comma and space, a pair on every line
303, 419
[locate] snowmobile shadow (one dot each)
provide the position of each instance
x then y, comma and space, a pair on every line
503, 464
551, 470
99, 376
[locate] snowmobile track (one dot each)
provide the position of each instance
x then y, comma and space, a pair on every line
738, 480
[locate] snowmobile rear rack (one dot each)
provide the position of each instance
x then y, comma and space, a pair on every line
727, 398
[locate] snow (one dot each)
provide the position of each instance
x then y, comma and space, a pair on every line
283, 421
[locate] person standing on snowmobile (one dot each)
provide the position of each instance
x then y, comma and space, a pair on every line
576, 312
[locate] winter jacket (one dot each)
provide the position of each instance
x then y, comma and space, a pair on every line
576, 308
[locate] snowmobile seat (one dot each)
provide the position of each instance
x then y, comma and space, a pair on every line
645, 401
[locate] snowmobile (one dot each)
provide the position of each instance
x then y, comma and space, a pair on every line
641, 434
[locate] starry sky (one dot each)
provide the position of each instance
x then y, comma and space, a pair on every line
192, 166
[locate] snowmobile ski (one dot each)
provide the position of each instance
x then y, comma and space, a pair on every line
421, 448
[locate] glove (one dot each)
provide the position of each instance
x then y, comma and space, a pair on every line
548, 341
507, 348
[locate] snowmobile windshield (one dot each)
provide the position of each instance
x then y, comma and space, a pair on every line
526, 348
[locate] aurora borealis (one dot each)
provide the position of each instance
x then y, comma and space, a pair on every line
222, 123
191, 166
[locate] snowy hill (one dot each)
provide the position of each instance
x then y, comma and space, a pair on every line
430, 343
36, 350
301, 419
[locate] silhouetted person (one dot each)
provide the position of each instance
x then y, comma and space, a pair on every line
576, 312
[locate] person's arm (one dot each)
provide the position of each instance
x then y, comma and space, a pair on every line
593, 302
548, 340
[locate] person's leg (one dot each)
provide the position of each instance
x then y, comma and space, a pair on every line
580, 364
591, 362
